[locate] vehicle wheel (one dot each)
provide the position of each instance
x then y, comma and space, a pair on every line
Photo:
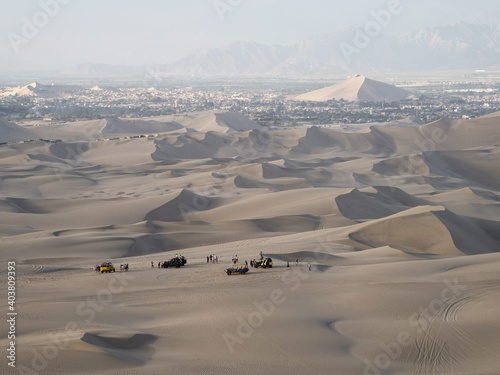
228, 273
102, 271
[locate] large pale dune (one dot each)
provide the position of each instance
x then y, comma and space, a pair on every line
357, 89
398, 224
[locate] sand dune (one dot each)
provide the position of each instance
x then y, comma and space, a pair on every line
356, 89
216, 121
428, 232
474, 168
180, 208
461, 134
219, 121
10, 132
120, 126
36, 89
192, 146
481, 204
359, 205
399, 225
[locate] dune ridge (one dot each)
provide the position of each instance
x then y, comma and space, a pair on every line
355, 89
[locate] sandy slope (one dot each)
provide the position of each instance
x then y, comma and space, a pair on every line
10, 132
357, 89
400, 226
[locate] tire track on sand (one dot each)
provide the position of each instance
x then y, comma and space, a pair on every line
444, 343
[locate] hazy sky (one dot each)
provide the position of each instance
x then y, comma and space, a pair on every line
35, 34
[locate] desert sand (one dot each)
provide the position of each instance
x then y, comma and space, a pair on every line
357, 89
399, 225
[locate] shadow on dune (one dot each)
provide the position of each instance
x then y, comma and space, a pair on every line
183, 206
299, 223
431, 230
134, 349
25, 206
319, 139
470, 235
151, 244
322, 261
135, 126
387, 201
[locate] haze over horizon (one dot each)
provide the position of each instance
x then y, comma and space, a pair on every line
153, 31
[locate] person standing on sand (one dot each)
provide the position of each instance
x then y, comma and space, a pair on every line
309, 266
152, 264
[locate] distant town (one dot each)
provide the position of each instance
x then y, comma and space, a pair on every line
270, 104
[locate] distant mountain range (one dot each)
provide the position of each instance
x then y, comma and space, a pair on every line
460, 46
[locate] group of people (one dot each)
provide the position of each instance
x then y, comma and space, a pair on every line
213, 258
241, 267
253, 262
